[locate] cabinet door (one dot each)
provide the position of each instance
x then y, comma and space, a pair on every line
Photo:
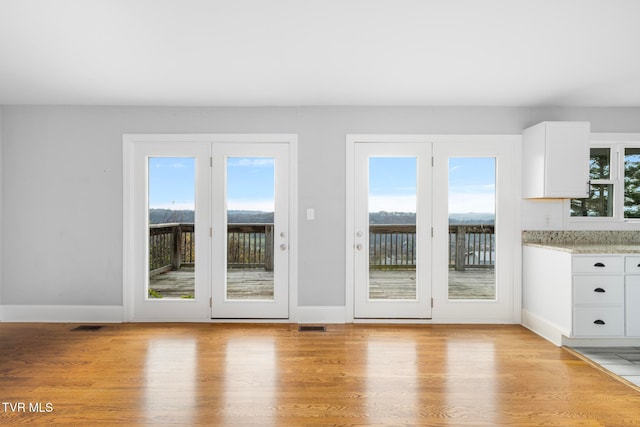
567, 159
632, 301
555, 160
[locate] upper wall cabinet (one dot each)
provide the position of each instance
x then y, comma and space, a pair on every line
555, 160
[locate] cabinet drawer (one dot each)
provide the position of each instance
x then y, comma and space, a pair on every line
598, 321
598, 290
598, 264
632, 264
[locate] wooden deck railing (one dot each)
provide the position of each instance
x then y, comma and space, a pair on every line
472, 246
171, 246
391, 246
250, 246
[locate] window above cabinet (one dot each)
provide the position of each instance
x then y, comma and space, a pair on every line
614, 172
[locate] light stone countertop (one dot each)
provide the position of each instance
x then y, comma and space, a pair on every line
590, 248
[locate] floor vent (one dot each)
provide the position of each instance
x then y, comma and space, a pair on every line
311, 328
87, 328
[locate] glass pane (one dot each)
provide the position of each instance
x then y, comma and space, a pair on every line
171, 227
599, 203
250, 214
392, 228
632, 183
472, 239
599, 163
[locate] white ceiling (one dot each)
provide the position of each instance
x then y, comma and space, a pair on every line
320, 52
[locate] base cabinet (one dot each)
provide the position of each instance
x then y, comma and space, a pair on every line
581, 295
632, 306
598, 295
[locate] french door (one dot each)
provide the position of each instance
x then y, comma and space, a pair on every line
431, 227
250, 231
208, 230
392, 233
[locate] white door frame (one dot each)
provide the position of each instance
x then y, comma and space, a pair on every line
129, 194
447, 312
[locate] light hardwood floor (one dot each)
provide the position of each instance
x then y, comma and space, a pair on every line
273, 375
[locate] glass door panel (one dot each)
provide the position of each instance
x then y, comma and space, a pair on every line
167, 190
472, 238
250, 215
392, 228
392, 219
171, 209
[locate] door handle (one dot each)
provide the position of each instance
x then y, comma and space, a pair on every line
359, 246
283, 247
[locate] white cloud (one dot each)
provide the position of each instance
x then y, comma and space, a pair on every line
176, 206
478, 203
392, 203
251, 162
250, 205
459, 202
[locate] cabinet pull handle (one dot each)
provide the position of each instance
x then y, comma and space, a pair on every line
598, 264
599, 322
600, 290
638, 265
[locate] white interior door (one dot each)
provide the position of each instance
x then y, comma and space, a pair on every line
392, 230
250, 206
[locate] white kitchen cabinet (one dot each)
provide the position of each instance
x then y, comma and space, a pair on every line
632, 301
580, 295
555, 160
598, 295
632, 295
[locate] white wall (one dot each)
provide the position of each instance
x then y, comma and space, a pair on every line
1, 199
62, 168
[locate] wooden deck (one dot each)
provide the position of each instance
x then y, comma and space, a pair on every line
385, 284
254, 283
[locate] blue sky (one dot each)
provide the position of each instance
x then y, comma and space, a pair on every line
250, 183
392, 184
472, 184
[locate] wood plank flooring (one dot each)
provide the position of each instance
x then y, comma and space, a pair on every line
272, 375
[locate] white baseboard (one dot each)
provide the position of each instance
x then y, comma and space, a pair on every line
543, 327
321, 314
62, 313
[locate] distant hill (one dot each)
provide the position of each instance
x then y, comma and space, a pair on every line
392, 218
472, 218
163, 216
410, 218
